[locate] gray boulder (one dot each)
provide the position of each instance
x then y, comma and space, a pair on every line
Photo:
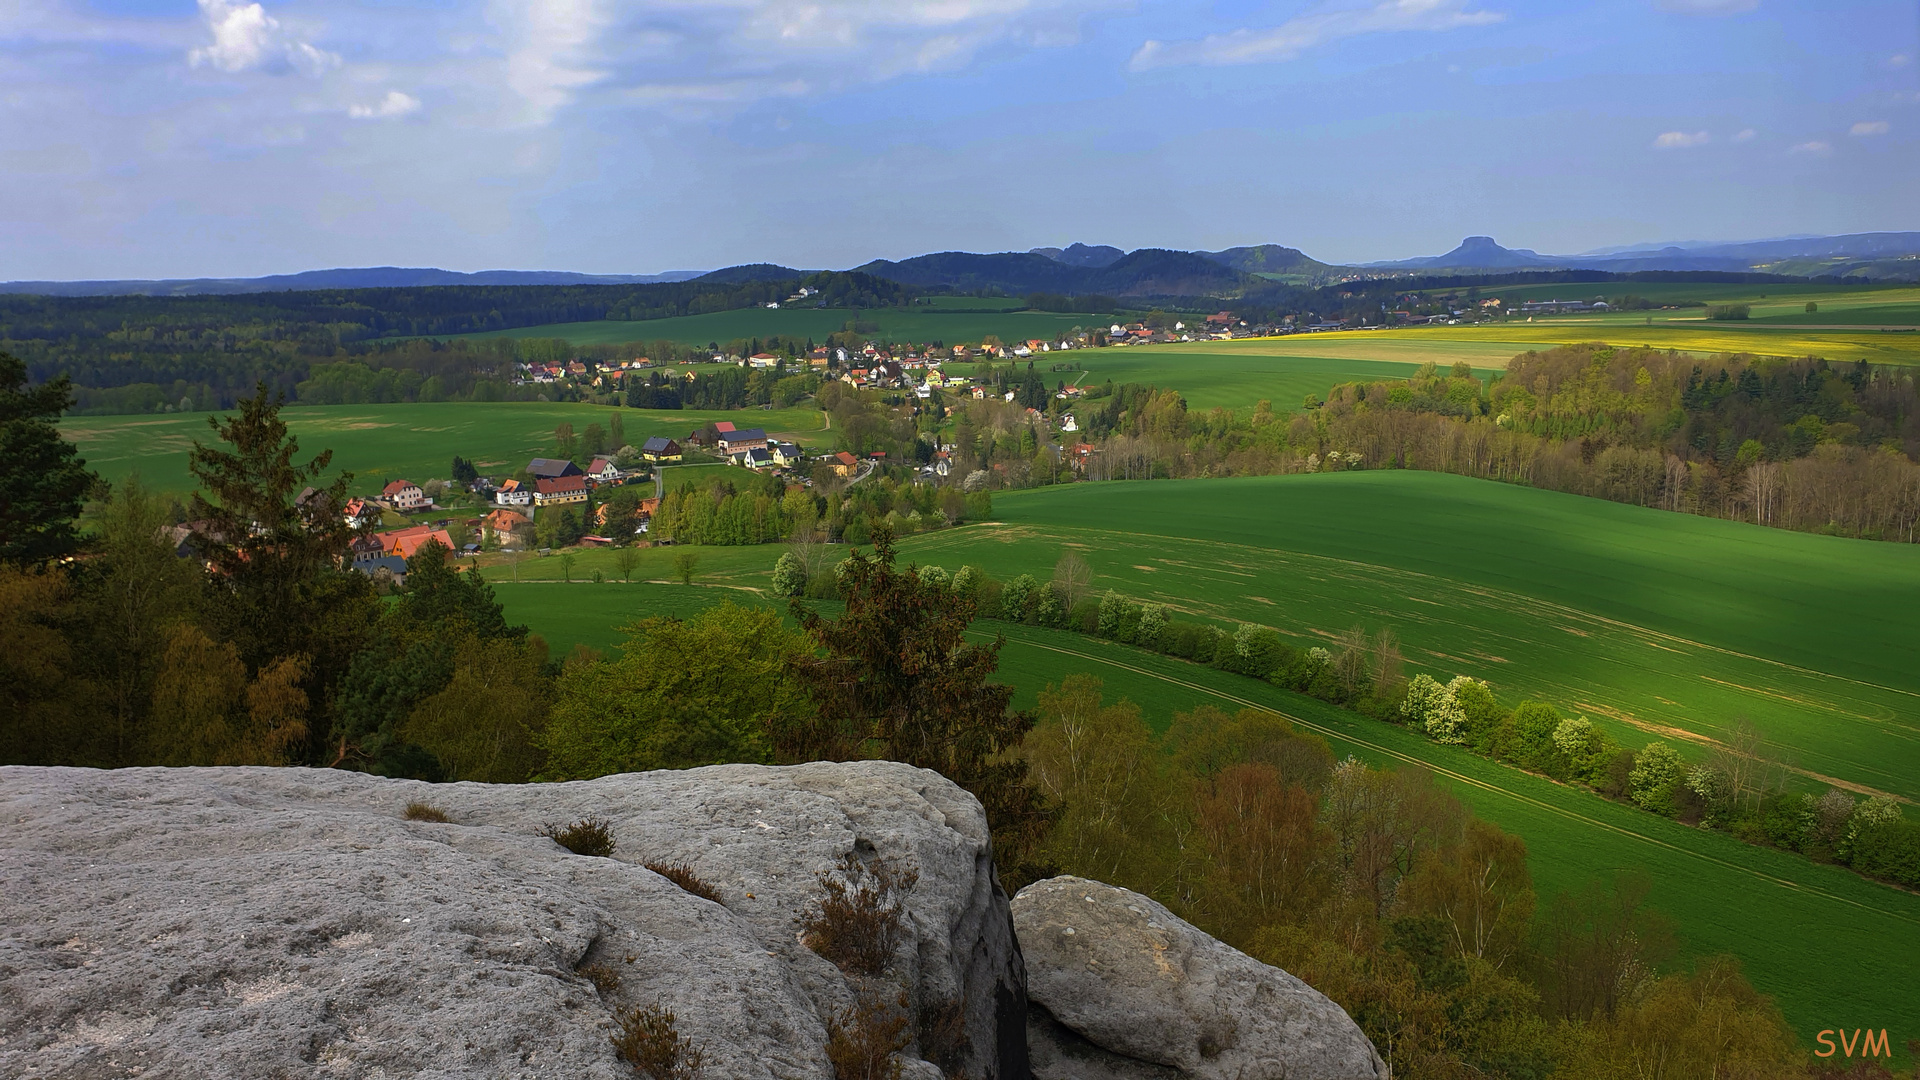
290, 923
1119, 988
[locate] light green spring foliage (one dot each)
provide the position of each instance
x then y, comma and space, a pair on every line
1017, 594
1656, 771
683, 693
1153, 625
966, 581
935, 575
789, 575
1878, 810
1574, 737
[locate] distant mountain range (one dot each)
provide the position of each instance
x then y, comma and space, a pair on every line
1088, 269
372, 277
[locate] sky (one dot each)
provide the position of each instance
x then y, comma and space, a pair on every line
175, 138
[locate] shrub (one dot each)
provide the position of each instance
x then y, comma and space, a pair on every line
862, 1040
419, 811
789, 575
1153, 628
682, 875
1018, 598
1656, 773
650, 1042
1728, 312
605, 980
588, 836
857, 925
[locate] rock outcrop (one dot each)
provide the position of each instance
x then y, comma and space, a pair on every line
289, 923
1119, 988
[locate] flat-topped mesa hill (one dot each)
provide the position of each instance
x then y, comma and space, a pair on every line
815, 921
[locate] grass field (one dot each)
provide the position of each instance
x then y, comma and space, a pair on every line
1827, 944
1656, 625
378, 443
1213, 375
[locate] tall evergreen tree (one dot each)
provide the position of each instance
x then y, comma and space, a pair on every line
42, 474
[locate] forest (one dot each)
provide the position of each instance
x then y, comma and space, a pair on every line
133, 353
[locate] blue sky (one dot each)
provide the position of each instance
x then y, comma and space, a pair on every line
142, 138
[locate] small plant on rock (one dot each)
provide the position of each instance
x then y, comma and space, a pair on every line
649, 1041
605, 980
682, 875
588, 836
859, 922
862, 1040
419, 811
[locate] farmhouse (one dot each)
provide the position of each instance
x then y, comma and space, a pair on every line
786, 454
733, 442
513, 493
660, 448
602, 470
404, 542
844, 463
551, 468
756, 458
560, 491
502, 523
404, 496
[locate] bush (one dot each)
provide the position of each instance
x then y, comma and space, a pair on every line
1888, 850
605, 980
1019, 598
1655, 776
419, 811
862, 1039
682, 875
858, 924
789, 575
650, 1042
1728, 312
588, 836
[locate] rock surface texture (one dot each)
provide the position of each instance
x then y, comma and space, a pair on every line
1119, 987
290, 923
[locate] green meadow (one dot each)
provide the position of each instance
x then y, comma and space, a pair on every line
378, 443
1824, 942
1656, 625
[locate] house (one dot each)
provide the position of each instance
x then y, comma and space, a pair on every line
723, 426
560, 491
502, 523
404, 542
366, 548
942, 463
576, 369
362, 513
844, 464
659, 448
551, 468
385, 568
763, 360
602, 470
755, 458
732, 442
1068, 423
786, 454
513, 493
404, 496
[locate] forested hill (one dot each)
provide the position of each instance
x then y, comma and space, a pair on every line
212, 348
1146, 273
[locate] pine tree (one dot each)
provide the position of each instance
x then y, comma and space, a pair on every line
42, 475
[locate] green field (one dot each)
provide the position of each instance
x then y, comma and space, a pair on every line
1657, 625
961, 319
378, 443
1826, 943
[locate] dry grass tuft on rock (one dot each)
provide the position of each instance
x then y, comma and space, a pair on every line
588, 836
649, 1041
682, 875
419, 811
859, 924
862, 1040
605, 980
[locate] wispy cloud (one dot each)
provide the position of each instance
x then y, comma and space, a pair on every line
246, 38
1898, 60
391, 107
1291, 38
1680, 140
1869, 127
1745, 135
1814, 147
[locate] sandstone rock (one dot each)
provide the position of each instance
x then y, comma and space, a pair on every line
289, 923
1119, 987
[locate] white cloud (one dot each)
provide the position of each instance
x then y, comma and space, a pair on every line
1899, 60
394, 105
1680, 140
1745, 135
1870, 127
246, 38
1814, 147
1708, 7
1291, 38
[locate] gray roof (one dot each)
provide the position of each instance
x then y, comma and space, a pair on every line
658, 442
551, 468
744, 435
